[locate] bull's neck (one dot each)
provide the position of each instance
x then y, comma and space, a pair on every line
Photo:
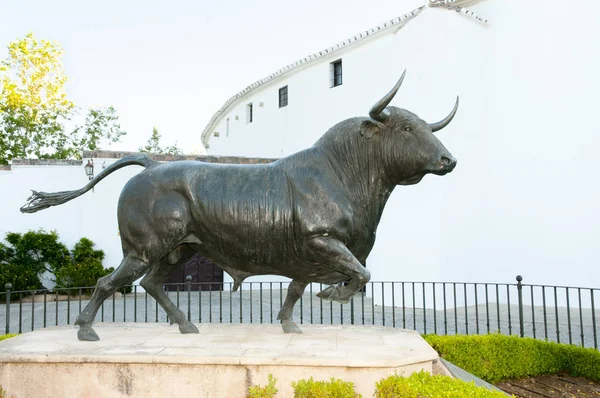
359, 166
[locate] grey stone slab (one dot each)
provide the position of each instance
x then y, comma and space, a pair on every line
462, 374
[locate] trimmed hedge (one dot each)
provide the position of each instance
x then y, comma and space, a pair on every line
495, 358
335, 388
424, 385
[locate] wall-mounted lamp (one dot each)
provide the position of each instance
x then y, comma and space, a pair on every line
89, 169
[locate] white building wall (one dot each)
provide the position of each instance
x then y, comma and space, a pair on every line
523, 198
93, 215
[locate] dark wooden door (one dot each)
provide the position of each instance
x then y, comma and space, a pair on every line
205, 275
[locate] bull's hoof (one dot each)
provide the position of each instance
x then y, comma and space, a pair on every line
188, 327
289, 326
327, 293
86, 333
333, 293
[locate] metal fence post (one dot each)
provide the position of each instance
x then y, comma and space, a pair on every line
520, 290
188, 279
8, 286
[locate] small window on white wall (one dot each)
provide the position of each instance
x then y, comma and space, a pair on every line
283, 97
227, 128
249, 115
335, 73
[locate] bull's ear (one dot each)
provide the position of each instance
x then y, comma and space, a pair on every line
368, 128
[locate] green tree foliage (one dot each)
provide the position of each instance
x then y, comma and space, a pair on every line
153, 145
34, 106
101, 126
27, 256
33, 102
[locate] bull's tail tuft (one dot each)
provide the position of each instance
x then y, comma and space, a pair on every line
42, 200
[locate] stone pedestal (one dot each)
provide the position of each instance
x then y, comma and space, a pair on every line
155, 360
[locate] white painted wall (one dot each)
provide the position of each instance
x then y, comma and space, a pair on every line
524, 196
93, 215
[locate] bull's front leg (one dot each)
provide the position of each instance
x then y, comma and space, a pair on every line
295, 291
333, 254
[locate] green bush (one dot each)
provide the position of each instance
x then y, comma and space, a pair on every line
335, 388
579, 361
85, 267
6, 336
267, 391
424, 385
496, 357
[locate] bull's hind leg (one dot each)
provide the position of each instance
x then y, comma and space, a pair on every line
153, 283
295, 291
131, 268
334, 254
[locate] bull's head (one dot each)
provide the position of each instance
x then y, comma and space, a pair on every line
406, 142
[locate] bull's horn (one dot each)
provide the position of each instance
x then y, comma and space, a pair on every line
443, 123
378, 111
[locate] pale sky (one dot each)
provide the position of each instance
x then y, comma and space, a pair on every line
172, 64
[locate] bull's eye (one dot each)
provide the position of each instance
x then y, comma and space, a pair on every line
408, 129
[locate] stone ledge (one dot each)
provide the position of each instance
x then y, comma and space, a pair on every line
100, 154
121, 154
46, 162
224, 344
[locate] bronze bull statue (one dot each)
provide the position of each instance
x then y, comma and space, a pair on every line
311, 216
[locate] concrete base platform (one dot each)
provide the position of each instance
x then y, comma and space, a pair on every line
155, 360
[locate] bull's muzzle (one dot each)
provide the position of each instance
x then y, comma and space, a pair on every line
445, 165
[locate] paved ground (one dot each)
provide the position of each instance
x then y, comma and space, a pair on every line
574, 325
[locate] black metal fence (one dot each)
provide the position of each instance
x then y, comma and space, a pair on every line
554, 313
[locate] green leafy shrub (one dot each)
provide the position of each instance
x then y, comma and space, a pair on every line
496, 357
26, 256
6, 336
335, 388
424, 385
267, 391
85, 267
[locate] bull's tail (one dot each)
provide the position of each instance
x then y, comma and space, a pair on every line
42, 200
